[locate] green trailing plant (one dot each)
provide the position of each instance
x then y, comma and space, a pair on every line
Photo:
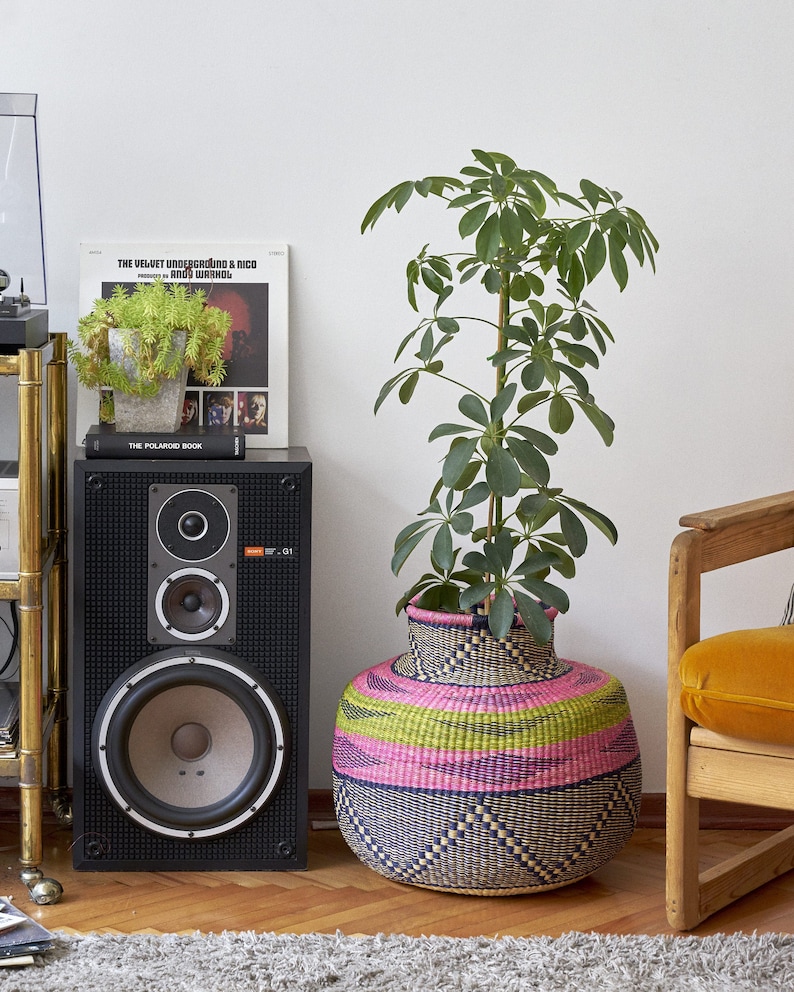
148, 318
534, 250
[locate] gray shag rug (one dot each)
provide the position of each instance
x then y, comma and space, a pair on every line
248, 962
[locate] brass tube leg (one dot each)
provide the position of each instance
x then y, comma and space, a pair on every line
30, 607
57, 630
41, 541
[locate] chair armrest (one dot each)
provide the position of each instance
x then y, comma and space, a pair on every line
742, 531
718, 538
752, 511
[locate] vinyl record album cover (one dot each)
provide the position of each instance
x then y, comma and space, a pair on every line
248, 280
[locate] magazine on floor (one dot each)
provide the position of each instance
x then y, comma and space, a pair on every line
21, 937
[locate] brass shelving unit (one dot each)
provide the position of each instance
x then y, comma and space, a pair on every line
42, 403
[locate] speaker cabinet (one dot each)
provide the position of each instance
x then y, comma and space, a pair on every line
191, 663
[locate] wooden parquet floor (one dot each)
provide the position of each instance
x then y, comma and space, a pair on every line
338, 893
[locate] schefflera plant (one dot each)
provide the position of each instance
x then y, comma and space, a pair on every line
534, 249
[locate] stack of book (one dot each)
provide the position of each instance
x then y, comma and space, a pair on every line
104, 441
21, 938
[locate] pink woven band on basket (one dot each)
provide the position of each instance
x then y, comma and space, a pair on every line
461, 619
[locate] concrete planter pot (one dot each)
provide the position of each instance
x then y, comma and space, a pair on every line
160, 414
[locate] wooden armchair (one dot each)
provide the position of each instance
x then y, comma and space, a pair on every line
730, 712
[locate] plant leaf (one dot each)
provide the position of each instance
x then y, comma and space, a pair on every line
577, 327
534, 617
600, 420
548, 593
408, 530
484, 158
412, 278
553, 312
544, 513
519, 288
466, 200
578, 380
501, 402
503, 543
406, 547
565, 564
442, 547
532, 375
530, 460
593, 194
473, 219
469, 474
385, 201
477, 561
494, 559
448, 325
501, 472
560, 414
617, 262
385, 389
492, 280
603, 523
408, 387
537, 563
432, 280
444, 430
474, 496
502, 614
573, 531
502, 358
488, 239
403, 195
576, 277
531, 400
577, 235
462, 523
540, 440
476, 594
580, 352
457, 460
511, 228
440, 597
472, 406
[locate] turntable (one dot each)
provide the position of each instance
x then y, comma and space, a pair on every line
21, 227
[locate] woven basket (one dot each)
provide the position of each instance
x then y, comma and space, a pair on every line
484, 766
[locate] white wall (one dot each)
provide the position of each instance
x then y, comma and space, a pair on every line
261, 121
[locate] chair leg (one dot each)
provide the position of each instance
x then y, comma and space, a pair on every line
683, 810
726, 882
683, 856
692, 895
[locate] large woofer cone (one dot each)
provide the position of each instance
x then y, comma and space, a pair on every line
193, 525
190, 746
192, 604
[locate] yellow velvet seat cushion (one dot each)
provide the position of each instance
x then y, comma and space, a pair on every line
742, 684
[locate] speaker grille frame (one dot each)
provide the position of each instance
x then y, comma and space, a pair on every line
111, 529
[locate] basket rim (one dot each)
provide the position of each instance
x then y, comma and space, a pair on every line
468, 619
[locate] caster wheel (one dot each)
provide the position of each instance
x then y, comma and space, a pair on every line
46, 892
43, 891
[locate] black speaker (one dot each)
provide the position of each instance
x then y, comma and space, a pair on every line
191, 663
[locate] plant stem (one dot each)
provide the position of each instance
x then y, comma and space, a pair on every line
495, 503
